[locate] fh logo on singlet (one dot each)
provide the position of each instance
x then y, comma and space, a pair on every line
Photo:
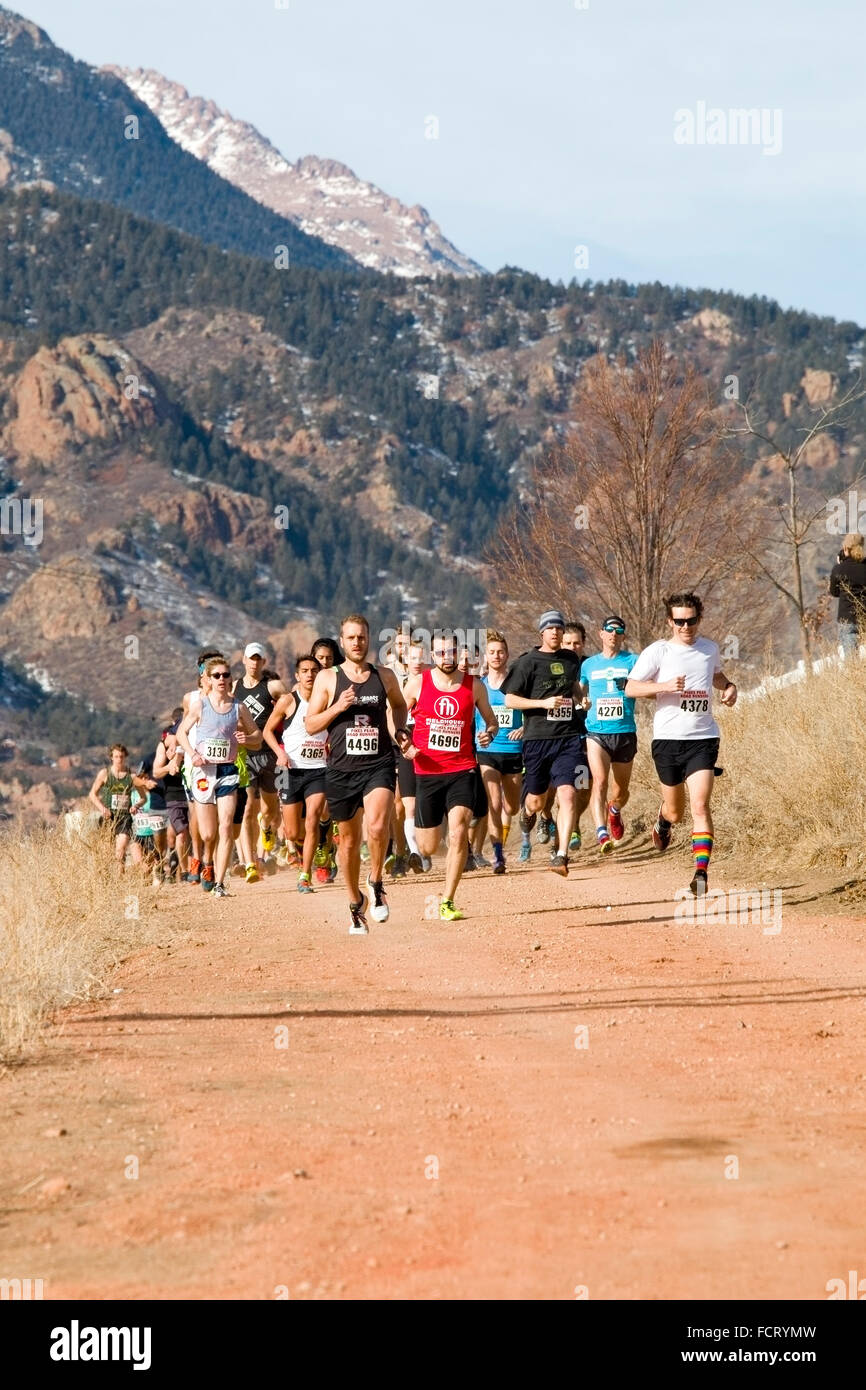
446, 707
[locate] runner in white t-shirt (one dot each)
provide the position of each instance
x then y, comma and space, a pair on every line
680, 673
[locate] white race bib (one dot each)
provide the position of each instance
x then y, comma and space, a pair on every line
362, 740
563, 711
698, 703
146, 822
216, 750
120, 801
609, 708
504, 716
443, 737
312, 753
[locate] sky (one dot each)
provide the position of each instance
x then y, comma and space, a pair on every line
559, 124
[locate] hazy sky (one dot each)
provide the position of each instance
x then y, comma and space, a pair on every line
555, 123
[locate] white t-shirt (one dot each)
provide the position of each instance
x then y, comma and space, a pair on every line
686, 713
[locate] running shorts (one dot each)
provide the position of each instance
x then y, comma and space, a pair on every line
240, 806
677, 758
406, 775
437, 793
506, 764
178, 816
620, 748
300, 784
346, 790
121, 823
212, 781
261, 766
551, 762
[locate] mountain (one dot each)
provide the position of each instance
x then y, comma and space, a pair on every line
324, 198
65, 124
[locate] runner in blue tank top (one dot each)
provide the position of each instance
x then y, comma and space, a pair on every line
611, 737
501, 762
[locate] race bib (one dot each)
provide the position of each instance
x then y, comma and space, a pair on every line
443, 737
504, 717
698, 703
609, 708
362, 740
216, 750
120, 801
147, 822
313, 752
563, 712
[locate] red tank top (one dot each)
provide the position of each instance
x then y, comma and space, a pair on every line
444, 728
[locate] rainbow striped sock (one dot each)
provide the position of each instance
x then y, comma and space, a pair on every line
702, 848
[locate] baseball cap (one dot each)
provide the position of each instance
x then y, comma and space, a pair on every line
552, 618
612, 622
254, 649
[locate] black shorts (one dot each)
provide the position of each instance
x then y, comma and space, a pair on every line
437, 793
346, 790
506, 764
301, 783
406, 775
121, 823
677, 758
178, 816
261, 766
240, 806
552, 762
620, 748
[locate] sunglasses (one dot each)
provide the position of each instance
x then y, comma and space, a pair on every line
620, 630
220, 675
685, 622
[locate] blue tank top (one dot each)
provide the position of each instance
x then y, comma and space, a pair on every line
508, 720
611, 712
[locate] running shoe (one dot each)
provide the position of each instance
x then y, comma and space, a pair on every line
282, 856
390, 861
448, 912
379, 910
426, 863
527, 821
207, 878
498, 861
399, 869
661, 833
605, 843
320, 858
323, 874
251, 873
173, 862
470, 866
559, 865
525, 854
332, 868
698, 885
575, 842
357, 919
293, 859
304, 885
482, 863
614, 823
416, 863
220, 891
365, 853
544, 831
193, 874
269, 838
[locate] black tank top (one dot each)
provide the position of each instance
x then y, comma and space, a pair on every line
358, 738
258, 701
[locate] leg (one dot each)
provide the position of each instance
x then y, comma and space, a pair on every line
207, 826
493, 786
225, 809
599, 766
620, 779
315, 802
378, 805
567, 799
349, 854
458, 829
673, 803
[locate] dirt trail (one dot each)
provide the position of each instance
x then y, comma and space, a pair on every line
431, 1129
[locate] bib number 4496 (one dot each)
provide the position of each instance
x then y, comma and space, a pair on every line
362, 740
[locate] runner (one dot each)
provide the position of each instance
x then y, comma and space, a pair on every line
111, 794
327, 652
150, 820
192, 700
680, 672
351, 702
443, 701
301, 759
574, 640
501, 762
544, 683
222, 724
168, 768
610, 729
258, 694
397, 858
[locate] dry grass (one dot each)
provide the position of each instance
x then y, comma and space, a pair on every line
793, 790
66, 918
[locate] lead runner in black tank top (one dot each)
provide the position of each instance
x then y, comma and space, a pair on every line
370, 710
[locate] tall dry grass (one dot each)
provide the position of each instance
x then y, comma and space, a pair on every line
794, 785
67, 916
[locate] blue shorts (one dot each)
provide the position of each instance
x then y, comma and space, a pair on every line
551, 762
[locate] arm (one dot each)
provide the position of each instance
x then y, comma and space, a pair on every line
320, 712
183, 739
728, 689
248, 735
549, 702
276, 689
636, 689
484, 709
397, 703
99, 781
164, 763
411, 692
284, 706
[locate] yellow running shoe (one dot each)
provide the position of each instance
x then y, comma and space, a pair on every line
251, 874
449, 913
269, 837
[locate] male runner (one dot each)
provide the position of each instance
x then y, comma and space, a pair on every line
111, 794
545, 684
611, 735
680, 673
501, 762
399, 854
351, 702
327, 652
192, 700
258, 694
443, 701
574, 640
303, 756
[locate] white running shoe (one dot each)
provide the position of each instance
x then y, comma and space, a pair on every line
380, 912
357, 919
